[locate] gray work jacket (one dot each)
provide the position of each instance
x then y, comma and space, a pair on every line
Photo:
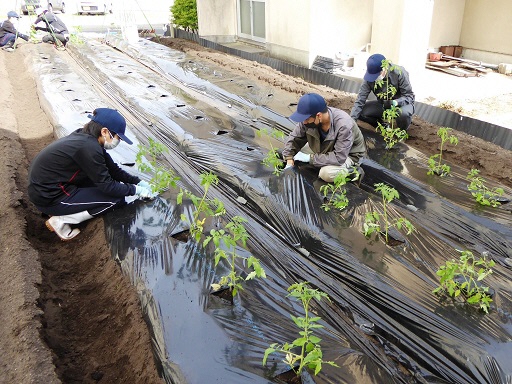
343, 139
398, 78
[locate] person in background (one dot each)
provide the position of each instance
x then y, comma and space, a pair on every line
74, 178
375, 81
8, 33
325, 137
53, 25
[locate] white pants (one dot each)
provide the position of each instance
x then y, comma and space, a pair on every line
329, 172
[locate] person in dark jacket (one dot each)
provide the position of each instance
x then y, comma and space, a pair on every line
53, 25
8, 33
375, 80
334, 141
74, 178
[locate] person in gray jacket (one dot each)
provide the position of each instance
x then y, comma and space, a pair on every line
325, 137
374, 81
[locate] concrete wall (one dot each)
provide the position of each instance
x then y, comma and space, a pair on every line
401, 31
487, 31
217, 19
300, 30
447, 21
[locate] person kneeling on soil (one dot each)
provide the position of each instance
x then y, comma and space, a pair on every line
379, 80
326, 137
74, 178
8, 33
54, 26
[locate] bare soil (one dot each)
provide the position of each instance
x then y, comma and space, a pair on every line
67, 312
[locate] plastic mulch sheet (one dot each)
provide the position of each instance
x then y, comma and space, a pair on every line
382, 323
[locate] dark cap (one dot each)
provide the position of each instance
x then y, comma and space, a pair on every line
309, 104
373, 67
13, 14
111, 119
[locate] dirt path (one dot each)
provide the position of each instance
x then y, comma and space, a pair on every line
68, 313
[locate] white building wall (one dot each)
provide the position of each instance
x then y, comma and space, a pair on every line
486, 33
447, 21
217, 19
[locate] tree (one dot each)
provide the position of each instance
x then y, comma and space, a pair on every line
184, 13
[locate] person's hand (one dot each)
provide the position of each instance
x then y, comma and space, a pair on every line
144, 193
302, 157
389, 103
144, 184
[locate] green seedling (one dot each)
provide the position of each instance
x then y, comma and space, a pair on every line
373, 219
308, 345
338, 194
435, 161
391, 134
162, 178
462, 278
204, 207
482, 194
273, 160
231, 237
75, 37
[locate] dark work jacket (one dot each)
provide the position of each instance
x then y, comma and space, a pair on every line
53, 24
8, 27
344, 139
75, 161
398, 78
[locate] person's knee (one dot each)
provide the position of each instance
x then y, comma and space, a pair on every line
325, 175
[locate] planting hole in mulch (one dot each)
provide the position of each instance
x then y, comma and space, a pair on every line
182, 236
224, 293
395, 238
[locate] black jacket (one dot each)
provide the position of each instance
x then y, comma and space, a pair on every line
7, 27
53, 24
74, 161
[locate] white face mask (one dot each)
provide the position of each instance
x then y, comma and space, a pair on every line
113, 144
381, 76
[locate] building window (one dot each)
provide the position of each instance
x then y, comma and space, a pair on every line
251, 19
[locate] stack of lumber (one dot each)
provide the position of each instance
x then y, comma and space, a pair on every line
457, 66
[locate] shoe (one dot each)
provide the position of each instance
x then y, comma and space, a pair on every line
63, 230
8, 49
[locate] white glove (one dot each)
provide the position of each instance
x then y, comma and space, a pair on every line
144, 193
288, 166
302, 157
145, 184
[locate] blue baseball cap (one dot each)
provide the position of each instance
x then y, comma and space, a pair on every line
13, 14
309, 104
111, 119
373, 67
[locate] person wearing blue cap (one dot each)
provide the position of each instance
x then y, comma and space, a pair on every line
327, 138
8, 33
74, 178
398, 77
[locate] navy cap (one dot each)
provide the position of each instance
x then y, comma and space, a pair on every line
309, 104
111, 119
373, 67
13, 14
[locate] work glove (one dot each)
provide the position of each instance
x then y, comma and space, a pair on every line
389, 103
144, 193
302, 157
145, 184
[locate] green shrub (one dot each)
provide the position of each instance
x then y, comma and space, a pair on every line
184, 14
